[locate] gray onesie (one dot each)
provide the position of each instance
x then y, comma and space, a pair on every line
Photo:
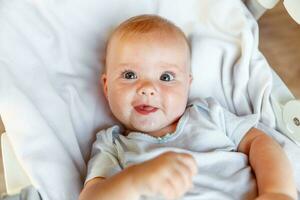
207, 131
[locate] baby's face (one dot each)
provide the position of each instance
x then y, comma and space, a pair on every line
147, 82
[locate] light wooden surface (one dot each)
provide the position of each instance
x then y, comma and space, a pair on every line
279, 42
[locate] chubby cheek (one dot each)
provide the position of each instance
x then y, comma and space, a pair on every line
174, 102
120, 103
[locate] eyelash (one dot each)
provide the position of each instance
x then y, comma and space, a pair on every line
169, 72
125, 71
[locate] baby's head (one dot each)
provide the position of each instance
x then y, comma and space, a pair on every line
147, 74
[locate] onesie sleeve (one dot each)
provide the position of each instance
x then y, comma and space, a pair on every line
104, 160
233, 126
236, 127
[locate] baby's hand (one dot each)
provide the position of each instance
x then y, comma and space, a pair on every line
169, 175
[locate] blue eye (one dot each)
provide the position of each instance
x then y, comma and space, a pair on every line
129, 75
167, 76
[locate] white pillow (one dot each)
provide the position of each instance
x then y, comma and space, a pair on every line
51, 102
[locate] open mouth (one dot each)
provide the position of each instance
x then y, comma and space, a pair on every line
145, 109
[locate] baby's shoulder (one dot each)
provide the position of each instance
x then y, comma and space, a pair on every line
206, 105
207, 110
109, 135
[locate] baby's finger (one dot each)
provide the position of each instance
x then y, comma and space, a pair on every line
182, 181
184, 175
189, 161
168, 190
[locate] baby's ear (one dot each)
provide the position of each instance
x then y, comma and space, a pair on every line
104, 84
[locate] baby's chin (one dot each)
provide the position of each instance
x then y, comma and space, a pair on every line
155, 125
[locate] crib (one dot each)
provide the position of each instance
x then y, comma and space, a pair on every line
285, 107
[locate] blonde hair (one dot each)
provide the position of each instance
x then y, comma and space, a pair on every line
146, 24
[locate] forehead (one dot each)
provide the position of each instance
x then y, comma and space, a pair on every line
149, 49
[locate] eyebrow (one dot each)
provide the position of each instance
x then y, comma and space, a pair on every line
127, 64
172, 66
168, 64
162, 64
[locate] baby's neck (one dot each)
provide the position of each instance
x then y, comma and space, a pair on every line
162, 132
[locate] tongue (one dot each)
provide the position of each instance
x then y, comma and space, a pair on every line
147, 108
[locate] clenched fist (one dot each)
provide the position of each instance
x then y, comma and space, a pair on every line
168, 175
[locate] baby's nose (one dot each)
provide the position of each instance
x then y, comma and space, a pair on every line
147, 90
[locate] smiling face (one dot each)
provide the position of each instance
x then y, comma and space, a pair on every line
147, 81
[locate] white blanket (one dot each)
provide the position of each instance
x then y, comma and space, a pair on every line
51, 102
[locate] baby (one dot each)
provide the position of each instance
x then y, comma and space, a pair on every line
166, 148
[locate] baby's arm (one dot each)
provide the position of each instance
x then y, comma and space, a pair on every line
271, 166
169, 175
117, 187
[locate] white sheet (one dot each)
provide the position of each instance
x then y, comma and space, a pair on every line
50, 101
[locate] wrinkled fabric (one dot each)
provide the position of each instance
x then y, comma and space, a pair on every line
206, 131
51, 102
28, 193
